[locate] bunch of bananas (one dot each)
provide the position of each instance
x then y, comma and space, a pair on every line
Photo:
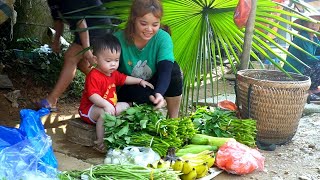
160, 164
193, 166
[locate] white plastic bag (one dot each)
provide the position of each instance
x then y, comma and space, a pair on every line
132, 155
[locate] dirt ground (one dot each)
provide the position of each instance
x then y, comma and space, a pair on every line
299, 159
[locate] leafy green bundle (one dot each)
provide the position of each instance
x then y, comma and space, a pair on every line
141, 125
222, 123
120, 172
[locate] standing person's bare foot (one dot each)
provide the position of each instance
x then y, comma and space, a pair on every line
44, 103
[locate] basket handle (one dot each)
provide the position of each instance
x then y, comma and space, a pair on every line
249, 100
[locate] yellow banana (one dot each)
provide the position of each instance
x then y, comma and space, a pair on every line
191, 176
210, 161
204, 173
200, 168
187, 168
178, 165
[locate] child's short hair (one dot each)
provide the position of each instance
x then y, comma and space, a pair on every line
106, 41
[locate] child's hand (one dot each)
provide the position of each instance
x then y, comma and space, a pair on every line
109, 108
144, 84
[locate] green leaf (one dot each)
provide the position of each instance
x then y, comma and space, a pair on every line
118, 122
109, 117
124, 130
132, 110
143, 124
110, 139
127, 139
110, 124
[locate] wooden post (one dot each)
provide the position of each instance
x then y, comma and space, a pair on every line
247, 45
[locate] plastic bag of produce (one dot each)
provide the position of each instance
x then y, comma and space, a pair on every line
10, 136
132, 155
237, 158
26, 153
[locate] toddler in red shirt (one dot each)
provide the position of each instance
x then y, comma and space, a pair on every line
99, 95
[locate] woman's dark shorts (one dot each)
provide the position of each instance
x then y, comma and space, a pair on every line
140, 95
313, 73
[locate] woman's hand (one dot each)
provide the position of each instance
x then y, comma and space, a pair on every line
157, 100
144, 84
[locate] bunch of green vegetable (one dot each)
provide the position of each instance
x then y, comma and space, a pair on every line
120, 172
141, 125
222, 123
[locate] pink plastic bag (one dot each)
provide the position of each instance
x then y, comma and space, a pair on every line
237, 158
242, 12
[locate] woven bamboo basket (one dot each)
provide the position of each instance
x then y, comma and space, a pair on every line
275, 100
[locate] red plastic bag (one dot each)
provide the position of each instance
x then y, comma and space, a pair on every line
227, 105
242, 12
237, 158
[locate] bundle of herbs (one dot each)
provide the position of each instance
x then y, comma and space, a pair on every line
120, 172
141, 125
223, 123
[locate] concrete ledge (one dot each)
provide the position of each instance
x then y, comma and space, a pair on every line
55, 120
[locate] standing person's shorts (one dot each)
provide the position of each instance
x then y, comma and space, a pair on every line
140, 95
94, 33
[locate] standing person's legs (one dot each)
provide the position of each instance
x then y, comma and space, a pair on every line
71, 62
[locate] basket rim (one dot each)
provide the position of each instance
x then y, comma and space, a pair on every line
242, 75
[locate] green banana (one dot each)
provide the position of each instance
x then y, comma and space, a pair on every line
191, 176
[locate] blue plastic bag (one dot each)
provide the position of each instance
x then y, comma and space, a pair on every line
10, 136
31, 124
26, 153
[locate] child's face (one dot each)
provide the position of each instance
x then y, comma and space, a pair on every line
107, 61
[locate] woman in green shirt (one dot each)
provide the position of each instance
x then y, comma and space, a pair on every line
312, 61
147, 53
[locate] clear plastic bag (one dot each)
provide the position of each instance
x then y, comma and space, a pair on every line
133, 155
237, 158
22, 160
27, 153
